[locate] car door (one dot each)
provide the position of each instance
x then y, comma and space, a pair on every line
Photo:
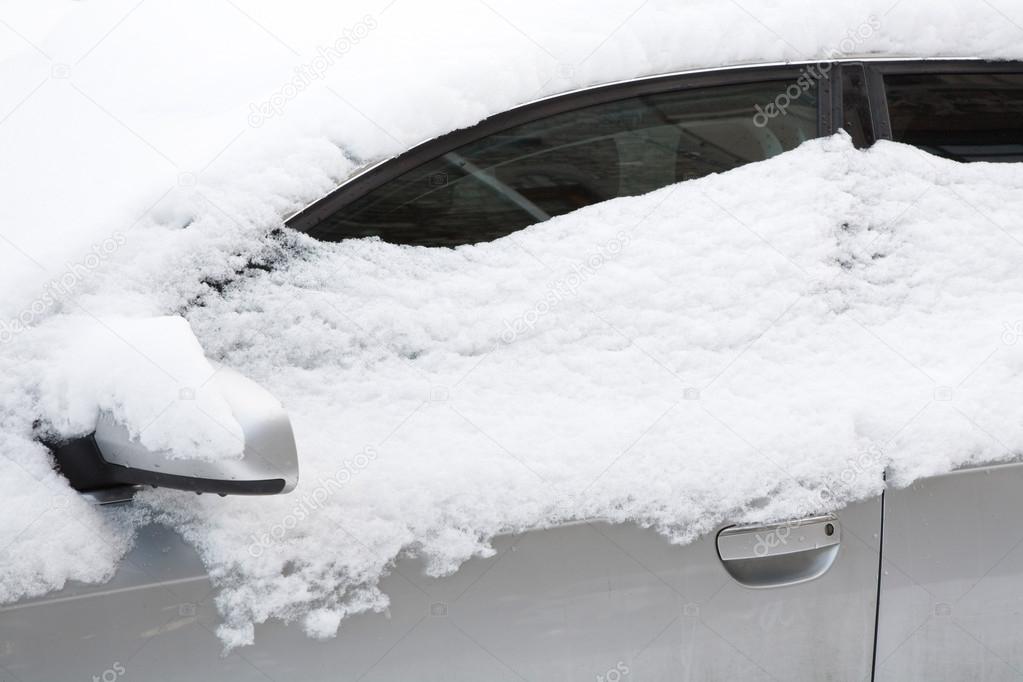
587, 601
951, 596
952, 578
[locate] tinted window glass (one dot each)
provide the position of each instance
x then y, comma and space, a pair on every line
967, 117
502, 183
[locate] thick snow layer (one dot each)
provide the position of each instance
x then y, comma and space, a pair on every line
111, 110
755, 345
750, 346
149, 374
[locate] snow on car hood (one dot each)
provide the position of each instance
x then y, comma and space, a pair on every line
759, 344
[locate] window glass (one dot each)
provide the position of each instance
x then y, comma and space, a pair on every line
502, 183
967, 117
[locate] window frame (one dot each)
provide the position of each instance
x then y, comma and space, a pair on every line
391, 168
837, 95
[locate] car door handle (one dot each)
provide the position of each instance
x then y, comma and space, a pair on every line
780, 554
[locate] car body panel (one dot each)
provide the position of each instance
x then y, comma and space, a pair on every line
579, 602
952, 579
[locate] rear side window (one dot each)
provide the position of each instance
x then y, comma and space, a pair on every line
526, 174
966, 117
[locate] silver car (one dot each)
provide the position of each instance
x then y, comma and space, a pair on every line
921, 583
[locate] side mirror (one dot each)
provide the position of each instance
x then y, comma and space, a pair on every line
110, 457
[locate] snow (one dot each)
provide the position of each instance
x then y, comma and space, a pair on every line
750, 346
148, 373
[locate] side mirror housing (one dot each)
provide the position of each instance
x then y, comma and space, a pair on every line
110, 457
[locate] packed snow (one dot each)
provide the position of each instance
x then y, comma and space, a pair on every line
756, 345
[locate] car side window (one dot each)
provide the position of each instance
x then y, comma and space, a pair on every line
966, 117
496, 185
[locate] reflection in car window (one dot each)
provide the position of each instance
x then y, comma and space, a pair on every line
967, 117
502, 183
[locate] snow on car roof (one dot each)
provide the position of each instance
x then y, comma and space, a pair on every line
747, 346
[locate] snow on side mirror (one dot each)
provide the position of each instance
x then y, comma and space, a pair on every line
110, 457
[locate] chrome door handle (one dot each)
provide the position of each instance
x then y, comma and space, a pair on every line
780, 554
